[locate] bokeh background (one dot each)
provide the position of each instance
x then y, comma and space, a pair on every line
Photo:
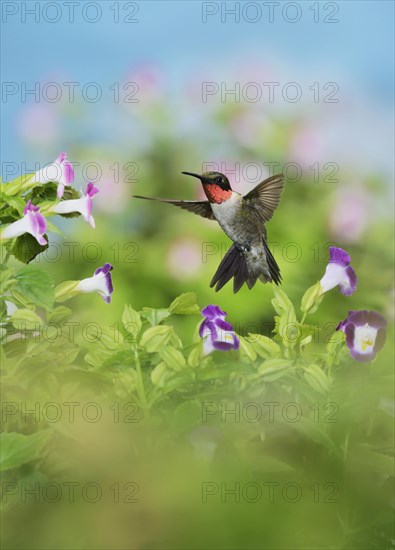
343, 194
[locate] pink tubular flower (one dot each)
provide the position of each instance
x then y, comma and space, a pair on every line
32, 222
60, 171
339, 273
82, 205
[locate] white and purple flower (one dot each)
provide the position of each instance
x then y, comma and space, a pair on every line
339, 273
60, 171
365, 334
101, 282
216, 333
82, 205
32, 222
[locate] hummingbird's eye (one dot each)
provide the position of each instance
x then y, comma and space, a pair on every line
218, 179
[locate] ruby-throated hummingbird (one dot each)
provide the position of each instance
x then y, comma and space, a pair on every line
243, 219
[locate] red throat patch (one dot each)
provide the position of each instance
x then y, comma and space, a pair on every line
214, 193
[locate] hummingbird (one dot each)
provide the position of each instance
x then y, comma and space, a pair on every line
243, 219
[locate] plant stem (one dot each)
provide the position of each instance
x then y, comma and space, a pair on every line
7, 257
140, 381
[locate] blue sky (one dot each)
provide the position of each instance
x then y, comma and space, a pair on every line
356, 51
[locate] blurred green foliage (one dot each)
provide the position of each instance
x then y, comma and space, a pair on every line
177, 431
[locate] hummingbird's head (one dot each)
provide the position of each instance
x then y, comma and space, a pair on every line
215, 185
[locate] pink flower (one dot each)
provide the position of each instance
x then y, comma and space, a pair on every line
60, 171
82, 205
32, 222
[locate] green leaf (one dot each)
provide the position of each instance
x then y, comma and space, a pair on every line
336, 340
18, 449
318, 433
70, 215
3, 310
13, 187
70, 193
281, 302
185, 304
66, 290
36, 285
246, 349
317, 379
96, 357
195, 356
272, 369
305, 334
18, 203
286, 325
108, 338
374, 461
172, 357
58, 315
67, 355
26, 319
155, 316
158, 375
52, 228
131, 320
307, 340
186, 416
268, 464
7, 279
288, 328
26, 248
18, 298
155, 338
312, 298
175, 340
263, 345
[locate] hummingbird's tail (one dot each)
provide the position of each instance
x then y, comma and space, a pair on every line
235, 264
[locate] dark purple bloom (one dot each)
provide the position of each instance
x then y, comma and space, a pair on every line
365, 334
339, 273
216, 333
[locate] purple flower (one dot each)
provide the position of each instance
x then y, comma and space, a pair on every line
82, 205
60, 171
216, 333
339, 273
101, 282
32, 222
365, 334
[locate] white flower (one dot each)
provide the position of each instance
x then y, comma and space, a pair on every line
82, 205
32, 222
101, 282
339, 273
60, 171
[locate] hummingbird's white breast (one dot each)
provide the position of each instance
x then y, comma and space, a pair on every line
227, 214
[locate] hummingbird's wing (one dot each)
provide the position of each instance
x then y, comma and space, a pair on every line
201, 208
266, 196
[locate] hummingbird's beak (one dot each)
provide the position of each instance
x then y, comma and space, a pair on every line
192, 174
